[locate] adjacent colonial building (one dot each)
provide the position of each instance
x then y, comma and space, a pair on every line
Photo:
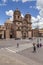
37, 33
2, 31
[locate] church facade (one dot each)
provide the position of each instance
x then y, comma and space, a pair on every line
20, 27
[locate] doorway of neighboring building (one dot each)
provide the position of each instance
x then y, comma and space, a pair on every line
0, 36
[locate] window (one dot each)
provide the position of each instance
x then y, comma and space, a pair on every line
19, 28
18, 16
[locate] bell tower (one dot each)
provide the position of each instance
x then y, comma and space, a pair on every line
16, 15
28, 18
17, 23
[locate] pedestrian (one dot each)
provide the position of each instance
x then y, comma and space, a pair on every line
38, 45
40, 39
17, 45
34, 47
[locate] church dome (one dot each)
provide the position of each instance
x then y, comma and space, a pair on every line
27, 16
8, 21
17, 12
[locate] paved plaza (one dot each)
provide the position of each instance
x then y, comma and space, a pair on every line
23, 55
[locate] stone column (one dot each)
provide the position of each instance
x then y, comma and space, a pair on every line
3, 34
7, 34
29, 34
18, 34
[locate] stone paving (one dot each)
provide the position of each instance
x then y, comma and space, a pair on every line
20, 48
11, 55
8, 58
37, 56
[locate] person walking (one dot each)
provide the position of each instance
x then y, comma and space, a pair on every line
38, 45
17, 45
34, 47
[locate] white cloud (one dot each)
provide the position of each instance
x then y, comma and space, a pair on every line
11, 18
38, 21
15, 0
39, 4
27, 0
22, 15
4, 1
23, 0
33, 19
2, 4
31, 7
41, 13
10, 13
34, 22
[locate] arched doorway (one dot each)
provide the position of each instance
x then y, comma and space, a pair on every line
24, 35
0, 36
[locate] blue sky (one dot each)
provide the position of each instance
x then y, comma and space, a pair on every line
25, 6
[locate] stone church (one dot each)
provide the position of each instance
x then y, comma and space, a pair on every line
20, 27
